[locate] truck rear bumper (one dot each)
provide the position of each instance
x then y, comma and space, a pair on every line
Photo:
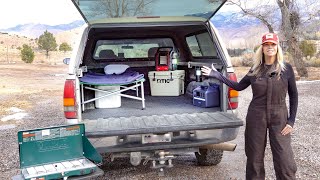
185, 139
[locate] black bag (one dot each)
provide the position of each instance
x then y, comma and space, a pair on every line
192, 85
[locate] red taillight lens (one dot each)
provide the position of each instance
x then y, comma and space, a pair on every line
232, 94
69, 100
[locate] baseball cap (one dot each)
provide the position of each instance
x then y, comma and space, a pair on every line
270, 37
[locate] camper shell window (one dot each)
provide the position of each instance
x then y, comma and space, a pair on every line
129, 48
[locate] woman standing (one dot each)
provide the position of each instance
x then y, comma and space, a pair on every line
270, 78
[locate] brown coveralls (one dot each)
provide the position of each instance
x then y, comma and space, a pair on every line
268, 110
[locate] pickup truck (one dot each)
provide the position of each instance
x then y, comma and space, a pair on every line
154, 116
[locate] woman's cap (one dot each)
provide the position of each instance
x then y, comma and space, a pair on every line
270, 37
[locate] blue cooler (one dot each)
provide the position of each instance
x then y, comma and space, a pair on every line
206, 96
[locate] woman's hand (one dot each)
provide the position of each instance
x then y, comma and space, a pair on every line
286, 130
206, 70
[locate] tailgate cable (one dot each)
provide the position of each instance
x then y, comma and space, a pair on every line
231, 108
229, 103
146, 160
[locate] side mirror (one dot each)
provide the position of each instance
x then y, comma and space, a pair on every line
66, 61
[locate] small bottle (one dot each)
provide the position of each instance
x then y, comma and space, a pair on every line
198, 74
174, 61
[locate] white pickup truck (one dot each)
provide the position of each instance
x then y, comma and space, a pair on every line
154, 116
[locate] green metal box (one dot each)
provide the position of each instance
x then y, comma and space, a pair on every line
56, 153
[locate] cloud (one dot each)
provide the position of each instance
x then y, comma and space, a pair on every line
49, 12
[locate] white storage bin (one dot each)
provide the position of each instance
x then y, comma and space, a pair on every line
166, 83
113, 101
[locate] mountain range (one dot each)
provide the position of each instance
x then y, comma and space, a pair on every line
222, 20
236, 30
35, 30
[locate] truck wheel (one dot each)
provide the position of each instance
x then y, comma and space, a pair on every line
209, 157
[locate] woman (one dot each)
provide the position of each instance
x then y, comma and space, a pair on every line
270, 78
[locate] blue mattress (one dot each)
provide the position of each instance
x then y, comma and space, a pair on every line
127, 77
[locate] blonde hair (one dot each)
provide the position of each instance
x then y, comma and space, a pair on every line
258, 63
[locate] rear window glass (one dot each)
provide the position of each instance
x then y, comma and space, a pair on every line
201, 45
129, 48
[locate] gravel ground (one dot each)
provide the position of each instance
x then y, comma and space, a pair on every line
40, 97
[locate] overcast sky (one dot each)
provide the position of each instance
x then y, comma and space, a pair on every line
51, 12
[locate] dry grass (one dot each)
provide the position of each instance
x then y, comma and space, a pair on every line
236, 61
55, 57
244, 60
21, 104
313, 65
314, 72
313, 62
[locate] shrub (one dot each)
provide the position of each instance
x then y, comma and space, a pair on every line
65, 47
236, 61
235, 52
308, 48
247, 60
27, 54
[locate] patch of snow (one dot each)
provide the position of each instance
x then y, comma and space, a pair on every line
16, 116
59, 74
8, 126
14, 110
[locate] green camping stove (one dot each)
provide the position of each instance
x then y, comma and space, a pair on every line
57, 153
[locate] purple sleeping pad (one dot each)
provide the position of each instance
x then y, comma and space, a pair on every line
127, 77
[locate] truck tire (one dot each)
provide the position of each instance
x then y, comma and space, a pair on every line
209, 157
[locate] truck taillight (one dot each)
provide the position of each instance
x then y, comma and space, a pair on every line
69, 100
232, 94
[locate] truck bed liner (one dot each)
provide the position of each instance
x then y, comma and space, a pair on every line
154, 106
160, 124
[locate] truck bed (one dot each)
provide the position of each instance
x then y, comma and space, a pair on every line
154, 106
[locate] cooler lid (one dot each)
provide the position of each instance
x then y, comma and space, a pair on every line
166, 73
50, 145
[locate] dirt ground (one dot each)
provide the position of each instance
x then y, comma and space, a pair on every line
23, 80
35, 91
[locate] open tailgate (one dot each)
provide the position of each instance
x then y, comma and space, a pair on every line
160, 124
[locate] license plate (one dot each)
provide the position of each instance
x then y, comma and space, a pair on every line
156, 138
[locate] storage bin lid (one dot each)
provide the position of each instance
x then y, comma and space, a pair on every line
50, 145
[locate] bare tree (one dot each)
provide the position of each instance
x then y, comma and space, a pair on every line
289, 23
121, 8
289, 27
264, 12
